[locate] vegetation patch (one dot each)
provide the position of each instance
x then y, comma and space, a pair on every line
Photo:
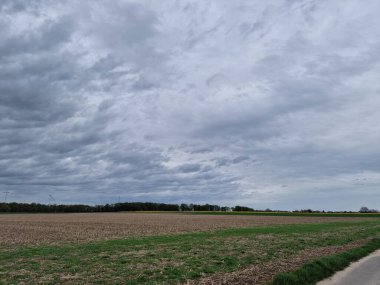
324, 267
172, 259
290, 214
262, 273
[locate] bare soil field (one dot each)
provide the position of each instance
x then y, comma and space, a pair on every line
44, 229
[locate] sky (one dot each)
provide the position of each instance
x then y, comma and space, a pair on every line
268, 104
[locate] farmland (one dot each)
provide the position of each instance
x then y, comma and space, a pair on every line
42, 229
152, 248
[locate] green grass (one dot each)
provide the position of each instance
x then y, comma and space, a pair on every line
311, 273
288, 214
173, 258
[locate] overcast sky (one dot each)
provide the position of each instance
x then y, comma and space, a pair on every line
268, 104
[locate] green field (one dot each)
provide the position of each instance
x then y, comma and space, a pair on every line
172, 259
291, 214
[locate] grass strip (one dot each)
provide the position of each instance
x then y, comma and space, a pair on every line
311, 273
286, 214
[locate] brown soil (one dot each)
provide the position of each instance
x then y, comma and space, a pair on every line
36, 229
263, 273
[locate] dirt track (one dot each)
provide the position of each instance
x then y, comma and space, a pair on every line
32, 229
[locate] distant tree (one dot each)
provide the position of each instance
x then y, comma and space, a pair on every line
306, 211
242, 209
366, 210
4, 207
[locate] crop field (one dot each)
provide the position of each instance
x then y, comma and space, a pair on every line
168, 248
40, 229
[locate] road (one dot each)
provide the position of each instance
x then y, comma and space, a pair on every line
366, 271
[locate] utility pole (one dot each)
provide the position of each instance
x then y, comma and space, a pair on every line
6, 194
51, 199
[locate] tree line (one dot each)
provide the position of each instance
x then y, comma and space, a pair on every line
140, 206
117, 207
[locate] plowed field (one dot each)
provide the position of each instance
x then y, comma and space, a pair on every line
43, 229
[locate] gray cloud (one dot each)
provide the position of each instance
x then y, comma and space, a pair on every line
189, 168
205, 102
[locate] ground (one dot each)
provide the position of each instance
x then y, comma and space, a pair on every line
153, 248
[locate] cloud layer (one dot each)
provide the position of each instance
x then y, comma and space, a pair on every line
259, 103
